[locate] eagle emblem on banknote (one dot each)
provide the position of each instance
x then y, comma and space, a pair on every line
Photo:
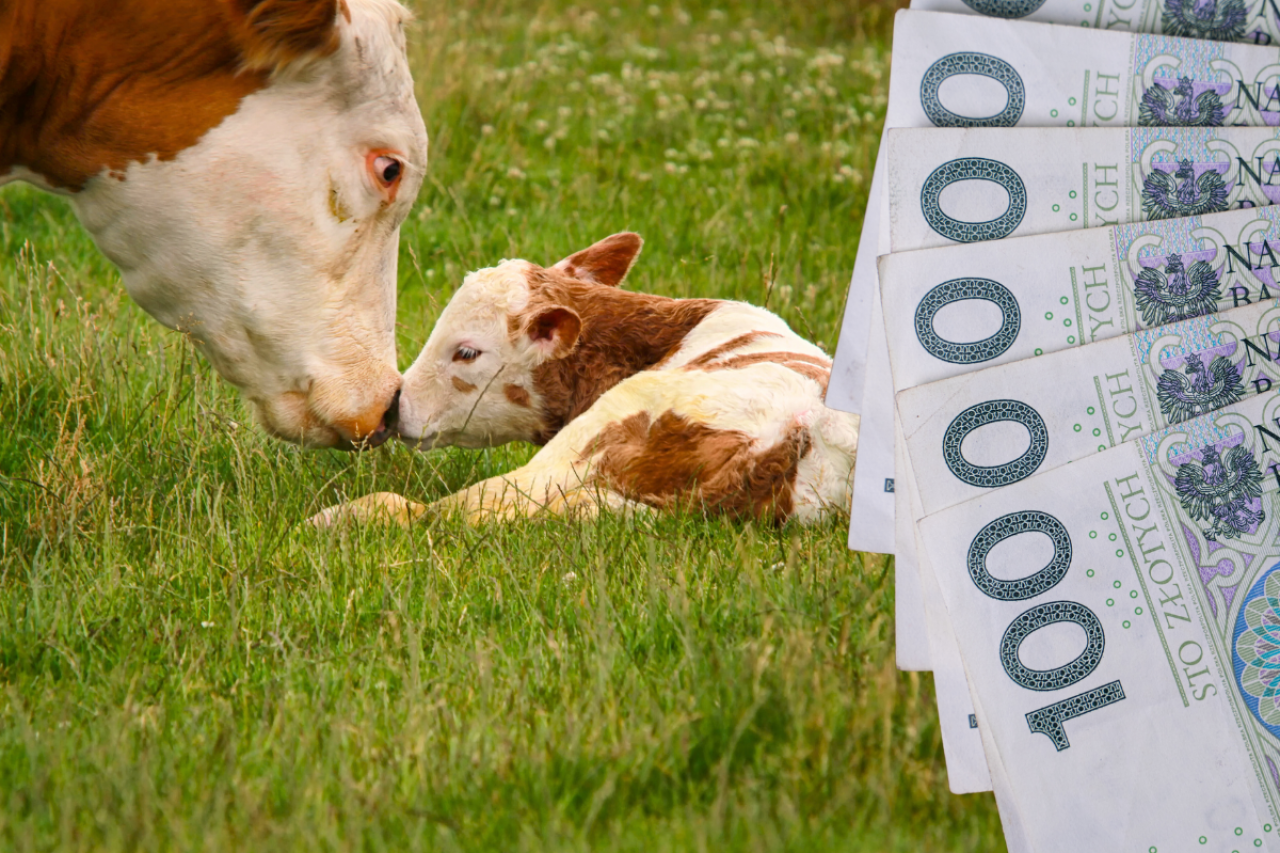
1180, 107
1200, 389
1180, 194
1176, 292
1222, 490
1216, 20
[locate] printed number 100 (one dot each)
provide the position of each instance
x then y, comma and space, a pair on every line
1049, 720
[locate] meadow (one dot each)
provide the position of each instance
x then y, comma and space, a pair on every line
184, 667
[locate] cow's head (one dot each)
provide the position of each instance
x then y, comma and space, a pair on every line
477, 381
247, 165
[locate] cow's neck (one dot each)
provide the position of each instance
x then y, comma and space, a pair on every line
622, 334
87, 86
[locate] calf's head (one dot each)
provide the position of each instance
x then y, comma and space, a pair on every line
475, 384
247, 165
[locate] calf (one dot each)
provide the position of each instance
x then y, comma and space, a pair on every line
639, 400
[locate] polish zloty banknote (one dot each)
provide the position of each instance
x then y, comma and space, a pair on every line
951, 186
967, 768
971, 71
1252, 21
972, 306
984, 430
1118, 619
964, 307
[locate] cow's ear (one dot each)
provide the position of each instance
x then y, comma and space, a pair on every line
554, 331
276, 33
606, 262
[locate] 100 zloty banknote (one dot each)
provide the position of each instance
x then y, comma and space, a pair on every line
958, 186
1118, 621
969, 71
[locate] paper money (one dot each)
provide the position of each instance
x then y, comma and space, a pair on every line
949, 186
965, 307
1045, 412
1117, 620
1255, 21
939, 325
979, 431
962, 186
972, 71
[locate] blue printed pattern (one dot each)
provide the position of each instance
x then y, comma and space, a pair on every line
1191, 143
1177, 236
1194, 56
1256, 650
1200, 432
1196, 336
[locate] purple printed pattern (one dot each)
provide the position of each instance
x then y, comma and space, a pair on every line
1223, 488
1183, 102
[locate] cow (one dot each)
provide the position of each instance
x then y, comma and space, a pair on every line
640, 401
246, 164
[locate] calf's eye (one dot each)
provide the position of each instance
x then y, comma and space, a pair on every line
466, 354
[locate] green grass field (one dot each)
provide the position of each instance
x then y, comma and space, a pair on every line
183, 668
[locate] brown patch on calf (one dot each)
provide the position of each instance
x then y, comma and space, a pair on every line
606, 262
724, 349
462, 385
622, 333
517, 395
89, 86
675, 462
810, 366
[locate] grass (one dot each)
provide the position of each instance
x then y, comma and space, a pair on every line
183, 668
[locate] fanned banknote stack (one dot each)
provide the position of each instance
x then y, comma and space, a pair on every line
1063, 338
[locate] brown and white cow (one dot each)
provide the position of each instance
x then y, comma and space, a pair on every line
640, 400
246, 164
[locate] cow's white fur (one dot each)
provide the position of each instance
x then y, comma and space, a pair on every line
235, 241
766, 400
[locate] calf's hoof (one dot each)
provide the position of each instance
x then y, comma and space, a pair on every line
377, 508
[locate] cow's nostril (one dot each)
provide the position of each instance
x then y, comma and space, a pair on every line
392, 418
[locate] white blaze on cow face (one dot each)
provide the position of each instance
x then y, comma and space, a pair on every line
472, 384
272, 241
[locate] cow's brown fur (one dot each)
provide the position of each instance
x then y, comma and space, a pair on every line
812, 367
622, 334
517, 394
715, 353
675, 462
87, 86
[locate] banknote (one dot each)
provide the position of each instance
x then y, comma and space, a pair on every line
977, 431
990, 428
1252, 21
967, 768
949, 186
968, 306
973, 71
1118, 621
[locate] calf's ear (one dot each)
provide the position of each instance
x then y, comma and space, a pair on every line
554, 331
276, 33
606, 262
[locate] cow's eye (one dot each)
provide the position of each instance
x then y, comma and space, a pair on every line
386, 170
466, 354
